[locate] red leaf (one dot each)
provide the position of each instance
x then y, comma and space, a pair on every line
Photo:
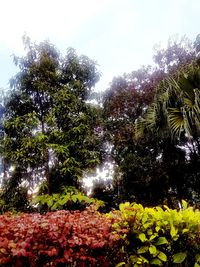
19, 252
52, 252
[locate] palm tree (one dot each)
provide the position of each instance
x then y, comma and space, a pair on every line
175, 110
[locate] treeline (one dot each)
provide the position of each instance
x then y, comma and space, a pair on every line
147, 122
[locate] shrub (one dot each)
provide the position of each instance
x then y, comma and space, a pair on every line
70, 198
159, 236
60, 238
131, 236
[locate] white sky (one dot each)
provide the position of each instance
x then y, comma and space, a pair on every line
118, 34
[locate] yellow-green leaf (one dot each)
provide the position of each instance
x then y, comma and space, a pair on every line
142, 237
143, 249
152, 237
157, 228
184, 204
173, 231
161, 241
185, 230
162, 256
156, 262
123, 206
120, 264
197, 257
153, 250
179, 257
166, 207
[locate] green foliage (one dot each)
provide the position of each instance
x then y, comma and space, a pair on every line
15, 201
2, 205
177, 103
52, 132
150, 116
159, 236
14, 196
70, 198
49, 126
134, 235
103, 190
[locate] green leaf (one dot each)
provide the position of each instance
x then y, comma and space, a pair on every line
62, 201
162, 256
173, 231
184, 204
196, 264
50, 202
74, 198
156, 262
120, 264
161, 241
153, 250
157, 228
185, 230
142, 237
152, 237
142, 250
179, 257
197, 257
55, 206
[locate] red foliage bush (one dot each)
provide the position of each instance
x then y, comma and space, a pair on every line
57, 239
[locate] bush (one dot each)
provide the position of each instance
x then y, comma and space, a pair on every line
132, 236
159, 236
69, 199
60, 238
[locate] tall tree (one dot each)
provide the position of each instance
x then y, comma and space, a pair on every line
127, 98
145, 163
174, 118
49, 126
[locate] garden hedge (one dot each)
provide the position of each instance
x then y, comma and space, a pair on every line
159, 236
60, 238
131, 236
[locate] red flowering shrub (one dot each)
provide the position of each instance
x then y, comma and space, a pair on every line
57, 239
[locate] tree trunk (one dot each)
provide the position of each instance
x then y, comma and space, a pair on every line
46, 162
46, 166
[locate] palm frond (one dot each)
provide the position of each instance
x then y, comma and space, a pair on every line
176, 121
176, 105
197, 98
139, 127
188, 121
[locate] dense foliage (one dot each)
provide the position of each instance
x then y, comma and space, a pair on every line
131, 236
151, 118
69, 199
49, 128
159, 236
56, 239
147, 125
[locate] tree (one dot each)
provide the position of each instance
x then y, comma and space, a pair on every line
174, 116
148, 172
176, 105
127, 98
179, 52
49, 127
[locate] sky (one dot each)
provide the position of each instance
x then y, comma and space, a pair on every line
118, 34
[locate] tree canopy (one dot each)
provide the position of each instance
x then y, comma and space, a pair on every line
49, 126
147, 123
145, 113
